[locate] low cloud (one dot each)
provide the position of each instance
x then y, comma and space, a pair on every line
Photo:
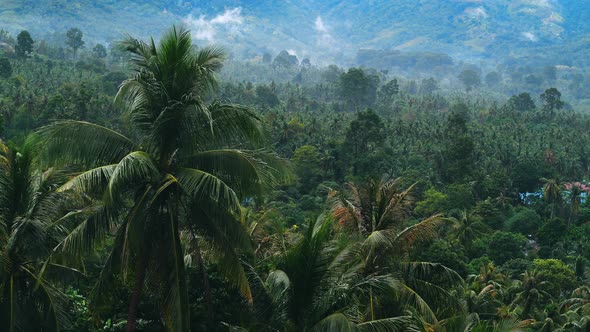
207, 29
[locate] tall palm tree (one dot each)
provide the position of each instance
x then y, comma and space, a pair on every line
29, 208
176, 171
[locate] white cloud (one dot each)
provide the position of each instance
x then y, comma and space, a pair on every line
554, 18
229, 16
542, 3
324, 38
478, 12
320, 26
204, 29
530, 36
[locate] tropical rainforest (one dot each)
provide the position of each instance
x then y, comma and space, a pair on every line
160, 184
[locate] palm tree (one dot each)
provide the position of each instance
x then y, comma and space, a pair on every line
29, 301
552, 193
574, 321
575, 197
579, 302
530, 294
547, 325
468, 228
268, 233
485, 294
508, 325
177, 171
377, 206
378, 214
486, 302
320, 286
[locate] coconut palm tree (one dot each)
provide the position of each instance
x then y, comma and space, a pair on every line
320, 286
378, 206
530, 294
469, 227
508, 325
552, 193
185, 165
376, 215
486, 302
578, 302
575, 197
378, 212
29, 208
547, 325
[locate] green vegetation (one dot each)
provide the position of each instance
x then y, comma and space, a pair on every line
144, 187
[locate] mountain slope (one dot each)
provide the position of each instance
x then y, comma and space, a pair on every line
330, 29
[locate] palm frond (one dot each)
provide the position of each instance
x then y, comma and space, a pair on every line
344, 211
336, 322
101, 292
134, 169
426, 229
393, 204
54, 299
81, 143
235, 124
394, 324
203, 186
140, 52
209, 61
176, 304
227, 237
411, 297
95, 222
91, 181
247, 172
425, 270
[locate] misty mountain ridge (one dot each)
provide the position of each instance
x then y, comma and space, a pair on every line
331, 31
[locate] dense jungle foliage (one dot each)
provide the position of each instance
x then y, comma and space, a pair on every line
144, 187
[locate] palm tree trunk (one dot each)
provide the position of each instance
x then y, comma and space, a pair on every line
136, 295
